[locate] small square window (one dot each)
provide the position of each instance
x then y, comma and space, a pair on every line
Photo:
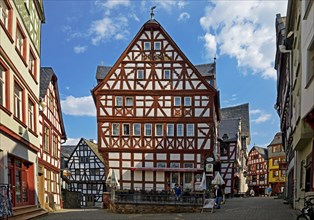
129, 101
126, 129
119, 101
148, 129
147, 46
157, 46
136, 129
140, 74
187, 101
167, 74
158, 131
177, 101
115, 129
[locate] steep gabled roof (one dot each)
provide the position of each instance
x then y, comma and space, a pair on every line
47, 75
231, 127
277, 139
238, 112
262, 151
67, 150
149, 25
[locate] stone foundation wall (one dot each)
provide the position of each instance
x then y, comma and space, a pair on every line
155, 208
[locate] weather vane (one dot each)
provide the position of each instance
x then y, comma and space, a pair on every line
152, 12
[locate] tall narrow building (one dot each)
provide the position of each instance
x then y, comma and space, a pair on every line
20, 31
157, 114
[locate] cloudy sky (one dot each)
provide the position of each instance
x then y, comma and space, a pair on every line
80, 35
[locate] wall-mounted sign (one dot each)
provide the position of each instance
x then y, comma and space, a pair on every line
209, 159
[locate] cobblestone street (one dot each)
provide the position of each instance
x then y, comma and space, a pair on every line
236, 208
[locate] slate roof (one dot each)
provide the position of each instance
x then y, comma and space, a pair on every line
206, 70
238, 112
67, 150
94, 148
262, 151
230, 127
47, 75
277, 139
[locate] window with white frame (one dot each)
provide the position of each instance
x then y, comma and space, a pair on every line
167, 74
140, 74
190, 130
179, 130
129, 101
46, 138
136, 129
116, 129
126, 129
148, 129
18, 101
157, 45
158, 131
2, 86
54, 145
31, 63
187, 101
119, 100
20, 42
4, 14
31, 115
170, 130
177, 101
147, 46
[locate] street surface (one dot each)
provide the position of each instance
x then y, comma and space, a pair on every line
235, 209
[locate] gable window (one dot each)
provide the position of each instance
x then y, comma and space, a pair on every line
177, 101
157, 46
136, 129
20, 42
119, 101
129, 101
115, 129
126, 129
46, 138
2, 86
158, 131
179, 130
147, 46
140, 74
18, 102
190, 130
31, 115
167, 74
148, 129
170, 130
187, 101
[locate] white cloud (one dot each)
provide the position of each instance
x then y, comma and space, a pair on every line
245, 31
78, 106
210, 45
262, 118
184, 16
107, 28
72, 141
255, 111
79, 49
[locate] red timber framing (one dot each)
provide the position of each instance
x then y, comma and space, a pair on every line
156, 114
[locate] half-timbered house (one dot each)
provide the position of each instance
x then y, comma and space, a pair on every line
257, 170
87, 169
52, 134
276, 155
234, 137
157, 114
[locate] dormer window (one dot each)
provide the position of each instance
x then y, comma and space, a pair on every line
147, 46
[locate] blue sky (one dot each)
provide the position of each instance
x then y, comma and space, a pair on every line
80, 35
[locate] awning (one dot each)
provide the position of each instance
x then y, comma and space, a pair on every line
159, 169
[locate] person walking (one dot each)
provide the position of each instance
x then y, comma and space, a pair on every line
218, 196
269, 191
178, 191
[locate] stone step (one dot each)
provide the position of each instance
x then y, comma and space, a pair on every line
27, 212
